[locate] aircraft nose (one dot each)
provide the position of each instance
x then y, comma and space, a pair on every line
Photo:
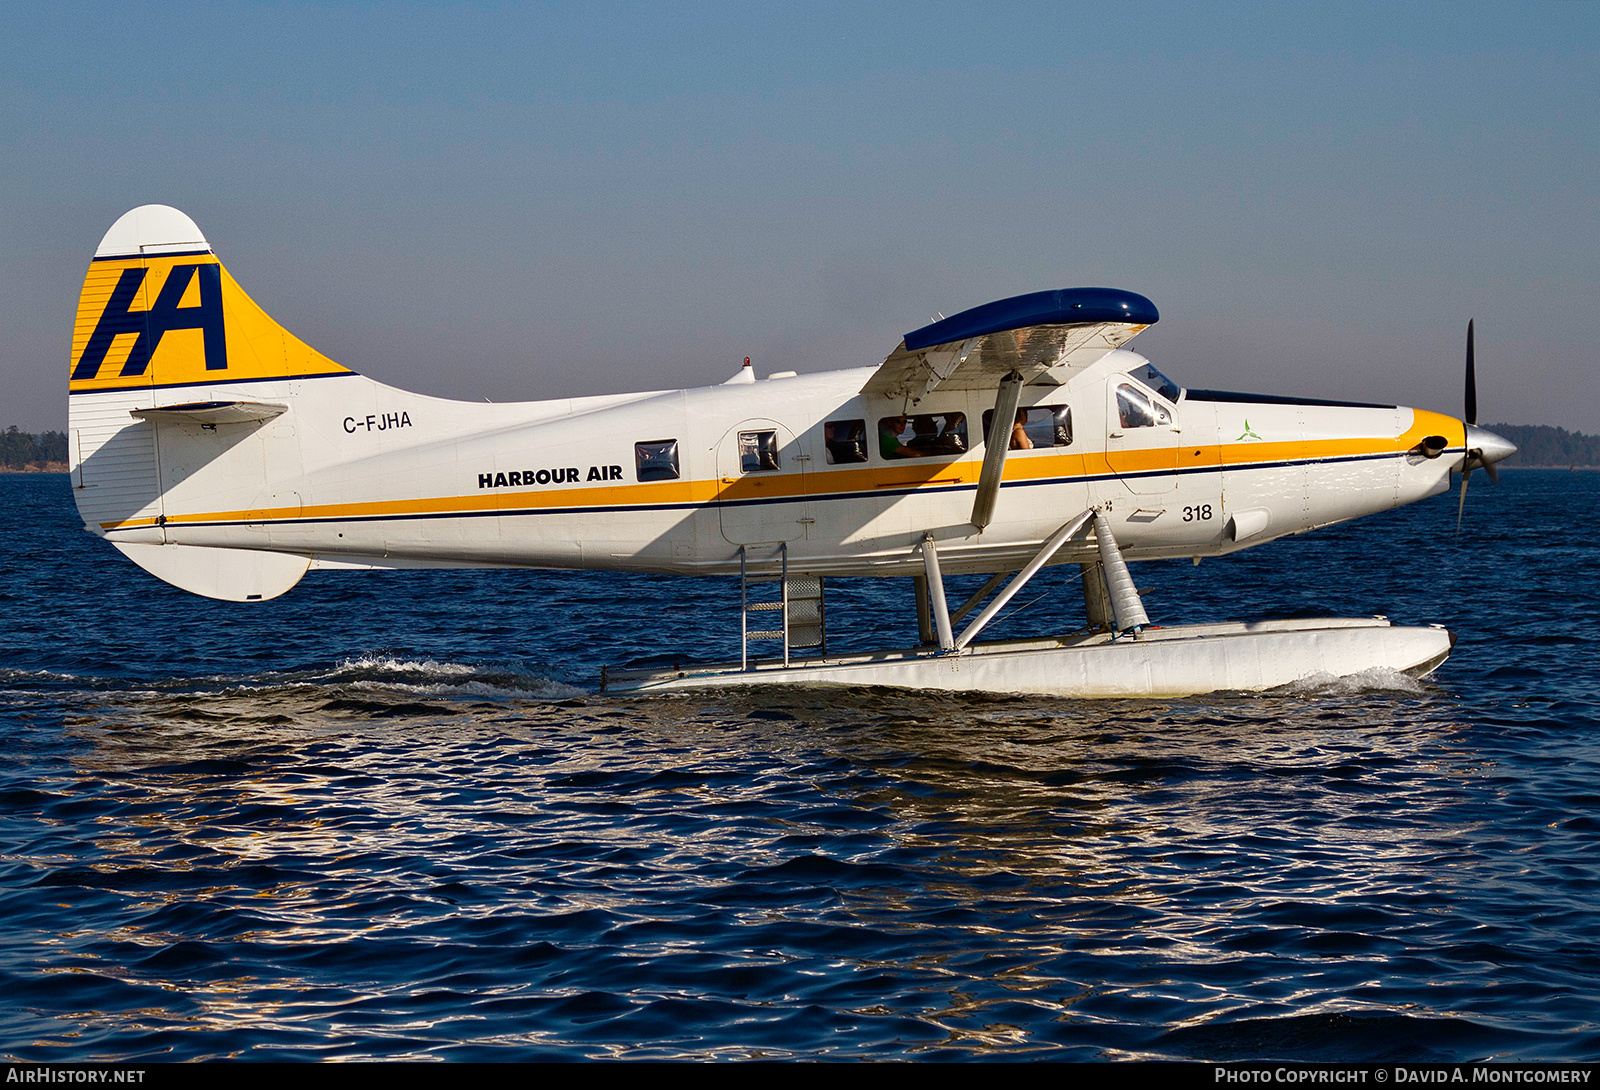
1486, 447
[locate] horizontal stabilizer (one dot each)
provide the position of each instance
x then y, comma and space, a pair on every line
213, 412
233, 575
1028, 334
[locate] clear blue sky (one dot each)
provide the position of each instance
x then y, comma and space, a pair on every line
526, 201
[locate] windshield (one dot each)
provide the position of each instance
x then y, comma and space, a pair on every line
1158, 382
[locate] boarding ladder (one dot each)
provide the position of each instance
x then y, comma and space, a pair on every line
798, 604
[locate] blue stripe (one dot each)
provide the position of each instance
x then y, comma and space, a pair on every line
809, 497
1084, 479
219, 380
1232, 398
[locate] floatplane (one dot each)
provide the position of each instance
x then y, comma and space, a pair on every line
223, 455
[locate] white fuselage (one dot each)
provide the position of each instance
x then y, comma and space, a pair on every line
361, 474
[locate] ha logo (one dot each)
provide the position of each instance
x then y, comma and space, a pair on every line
167, 314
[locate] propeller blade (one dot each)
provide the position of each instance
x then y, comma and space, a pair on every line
1490, 447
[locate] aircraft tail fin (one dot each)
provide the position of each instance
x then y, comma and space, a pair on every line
159, 311
175, 371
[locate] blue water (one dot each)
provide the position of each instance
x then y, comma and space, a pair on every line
388, 815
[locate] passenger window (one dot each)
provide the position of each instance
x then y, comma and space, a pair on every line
656, 460
1136, 410
927, 435
758, 451
845, 441
1040, 426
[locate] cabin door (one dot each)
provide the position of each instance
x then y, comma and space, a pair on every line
763, 472
1141, 440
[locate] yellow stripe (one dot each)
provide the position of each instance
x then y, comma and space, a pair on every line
795, 485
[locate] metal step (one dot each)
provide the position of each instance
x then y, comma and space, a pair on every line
799, 601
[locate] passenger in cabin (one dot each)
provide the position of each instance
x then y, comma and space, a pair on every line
846, 441
1019, 432
952, 434
889, 444
925, 435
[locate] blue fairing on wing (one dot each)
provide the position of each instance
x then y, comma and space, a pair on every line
1068, 306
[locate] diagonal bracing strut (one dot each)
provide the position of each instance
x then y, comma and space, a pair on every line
1040, 559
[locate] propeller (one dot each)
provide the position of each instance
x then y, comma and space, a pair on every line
1483, 447
1470, 415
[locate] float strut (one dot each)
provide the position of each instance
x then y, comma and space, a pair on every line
919, 589
983, 592
1051, 547
941, 612
1096, 602
1125, 603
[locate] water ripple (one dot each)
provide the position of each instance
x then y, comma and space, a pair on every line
418, 834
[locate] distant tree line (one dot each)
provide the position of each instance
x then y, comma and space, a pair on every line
20, 449
1542, 445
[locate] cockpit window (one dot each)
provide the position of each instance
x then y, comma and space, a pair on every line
1158, 382
1136, 409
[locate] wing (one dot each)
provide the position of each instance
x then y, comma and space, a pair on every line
1062, 330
